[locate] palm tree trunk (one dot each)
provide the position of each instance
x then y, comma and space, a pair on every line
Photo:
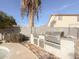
31, 25
31, 22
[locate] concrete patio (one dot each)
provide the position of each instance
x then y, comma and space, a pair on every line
18, 51
27, 51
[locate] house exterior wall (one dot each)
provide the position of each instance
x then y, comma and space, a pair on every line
69, 24
65, 21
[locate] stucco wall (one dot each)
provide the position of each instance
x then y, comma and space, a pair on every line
66, 21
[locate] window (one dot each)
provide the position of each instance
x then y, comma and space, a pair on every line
59, 17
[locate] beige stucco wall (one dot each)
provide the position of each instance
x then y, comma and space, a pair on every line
65, 22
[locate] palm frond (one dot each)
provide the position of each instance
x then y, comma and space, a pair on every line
29, 5
31, 9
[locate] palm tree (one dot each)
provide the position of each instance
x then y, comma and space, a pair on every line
30, 8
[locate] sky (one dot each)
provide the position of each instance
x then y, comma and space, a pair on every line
48, 7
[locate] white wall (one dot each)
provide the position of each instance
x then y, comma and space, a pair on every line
66, 21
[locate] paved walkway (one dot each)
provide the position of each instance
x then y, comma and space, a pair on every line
18, 51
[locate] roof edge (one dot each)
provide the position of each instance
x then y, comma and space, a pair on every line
65, 15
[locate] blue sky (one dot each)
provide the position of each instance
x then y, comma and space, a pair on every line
12, 7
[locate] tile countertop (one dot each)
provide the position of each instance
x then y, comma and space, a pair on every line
18, 51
